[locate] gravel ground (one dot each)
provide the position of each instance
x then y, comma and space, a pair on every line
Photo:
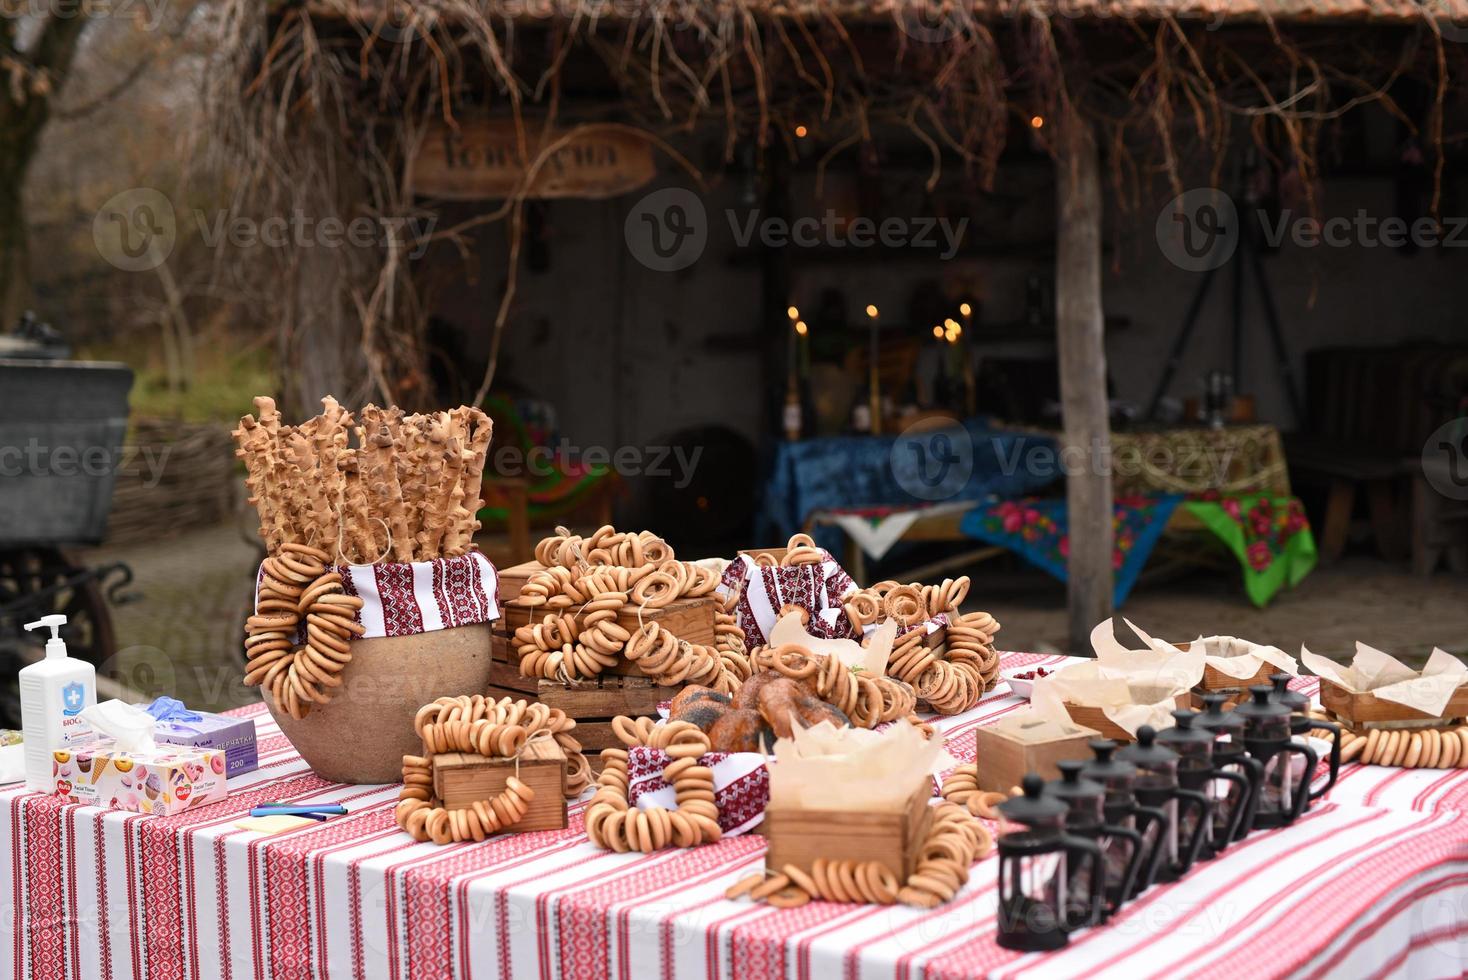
182, 636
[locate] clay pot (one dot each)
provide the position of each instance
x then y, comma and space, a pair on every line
362, 735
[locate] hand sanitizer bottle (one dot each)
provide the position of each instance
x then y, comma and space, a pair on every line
53, 693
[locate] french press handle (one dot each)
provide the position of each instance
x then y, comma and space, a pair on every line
1311, 759
1147, 817
1335, 759
1080, 849
1247, 785
1253, 771
1192, 799
1135, 857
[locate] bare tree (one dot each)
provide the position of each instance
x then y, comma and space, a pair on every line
34, 74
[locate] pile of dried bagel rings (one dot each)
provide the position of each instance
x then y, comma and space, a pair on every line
955, 841
494, 729
589, 583
1405, 748
299, 587
613, 824
961, 786
952, 678
867, 701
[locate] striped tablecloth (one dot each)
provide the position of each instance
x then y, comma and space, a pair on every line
1374, 881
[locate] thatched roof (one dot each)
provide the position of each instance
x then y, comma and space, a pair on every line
1450, 15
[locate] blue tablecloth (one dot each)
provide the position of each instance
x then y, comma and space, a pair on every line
902, 471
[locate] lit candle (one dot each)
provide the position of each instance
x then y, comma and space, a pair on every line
804, 332
792, 358
970, 402
874, 319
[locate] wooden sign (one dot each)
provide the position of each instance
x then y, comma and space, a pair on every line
482, 159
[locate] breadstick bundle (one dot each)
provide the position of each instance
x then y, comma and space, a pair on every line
382, 486
335, 491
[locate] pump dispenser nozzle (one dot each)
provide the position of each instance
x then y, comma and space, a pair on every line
55, 647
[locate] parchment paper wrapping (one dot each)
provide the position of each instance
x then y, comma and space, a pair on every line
830, 768
871, 658
1380, 674
1131, 687
1234, 657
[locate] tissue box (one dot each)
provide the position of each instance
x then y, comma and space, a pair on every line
234, 736
1004, 752
169, 779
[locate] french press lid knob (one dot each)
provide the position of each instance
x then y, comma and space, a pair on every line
1034, 808
1146, 753
1294, 700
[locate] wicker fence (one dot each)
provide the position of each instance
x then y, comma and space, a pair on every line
179, 475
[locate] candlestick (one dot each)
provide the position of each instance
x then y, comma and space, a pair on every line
873, 378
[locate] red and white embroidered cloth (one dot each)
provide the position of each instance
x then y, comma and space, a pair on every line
1372, 882
403, 598
818, 588
741, 785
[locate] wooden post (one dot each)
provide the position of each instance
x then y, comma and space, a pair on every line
1086, 440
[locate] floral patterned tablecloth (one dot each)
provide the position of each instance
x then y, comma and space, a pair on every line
1270, 536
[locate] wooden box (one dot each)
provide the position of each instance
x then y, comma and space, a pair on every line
1091, 717
592, 703
776, 553
1367, 710
460, 778
800, 837
1021, 743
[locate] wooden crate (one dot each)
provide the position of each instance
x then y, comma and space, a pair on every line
1005, 751
800, 837
1089, 717
1367, 710
513, 579
593, 703
460, 778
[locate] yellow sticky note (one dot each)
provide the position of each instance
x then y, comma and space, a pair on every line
275, 824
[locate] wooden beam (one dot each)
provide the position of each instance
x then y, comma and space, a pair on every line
1086, 439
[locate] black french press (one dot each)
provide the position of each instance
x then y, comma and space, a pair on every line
1267, 736
1157, 786
1121, 847
1037, 908
1233, 806
1197, 771
1302, 724
1127, 872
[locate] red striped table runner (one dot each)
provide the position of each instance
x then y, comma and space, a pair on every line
1374, 882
